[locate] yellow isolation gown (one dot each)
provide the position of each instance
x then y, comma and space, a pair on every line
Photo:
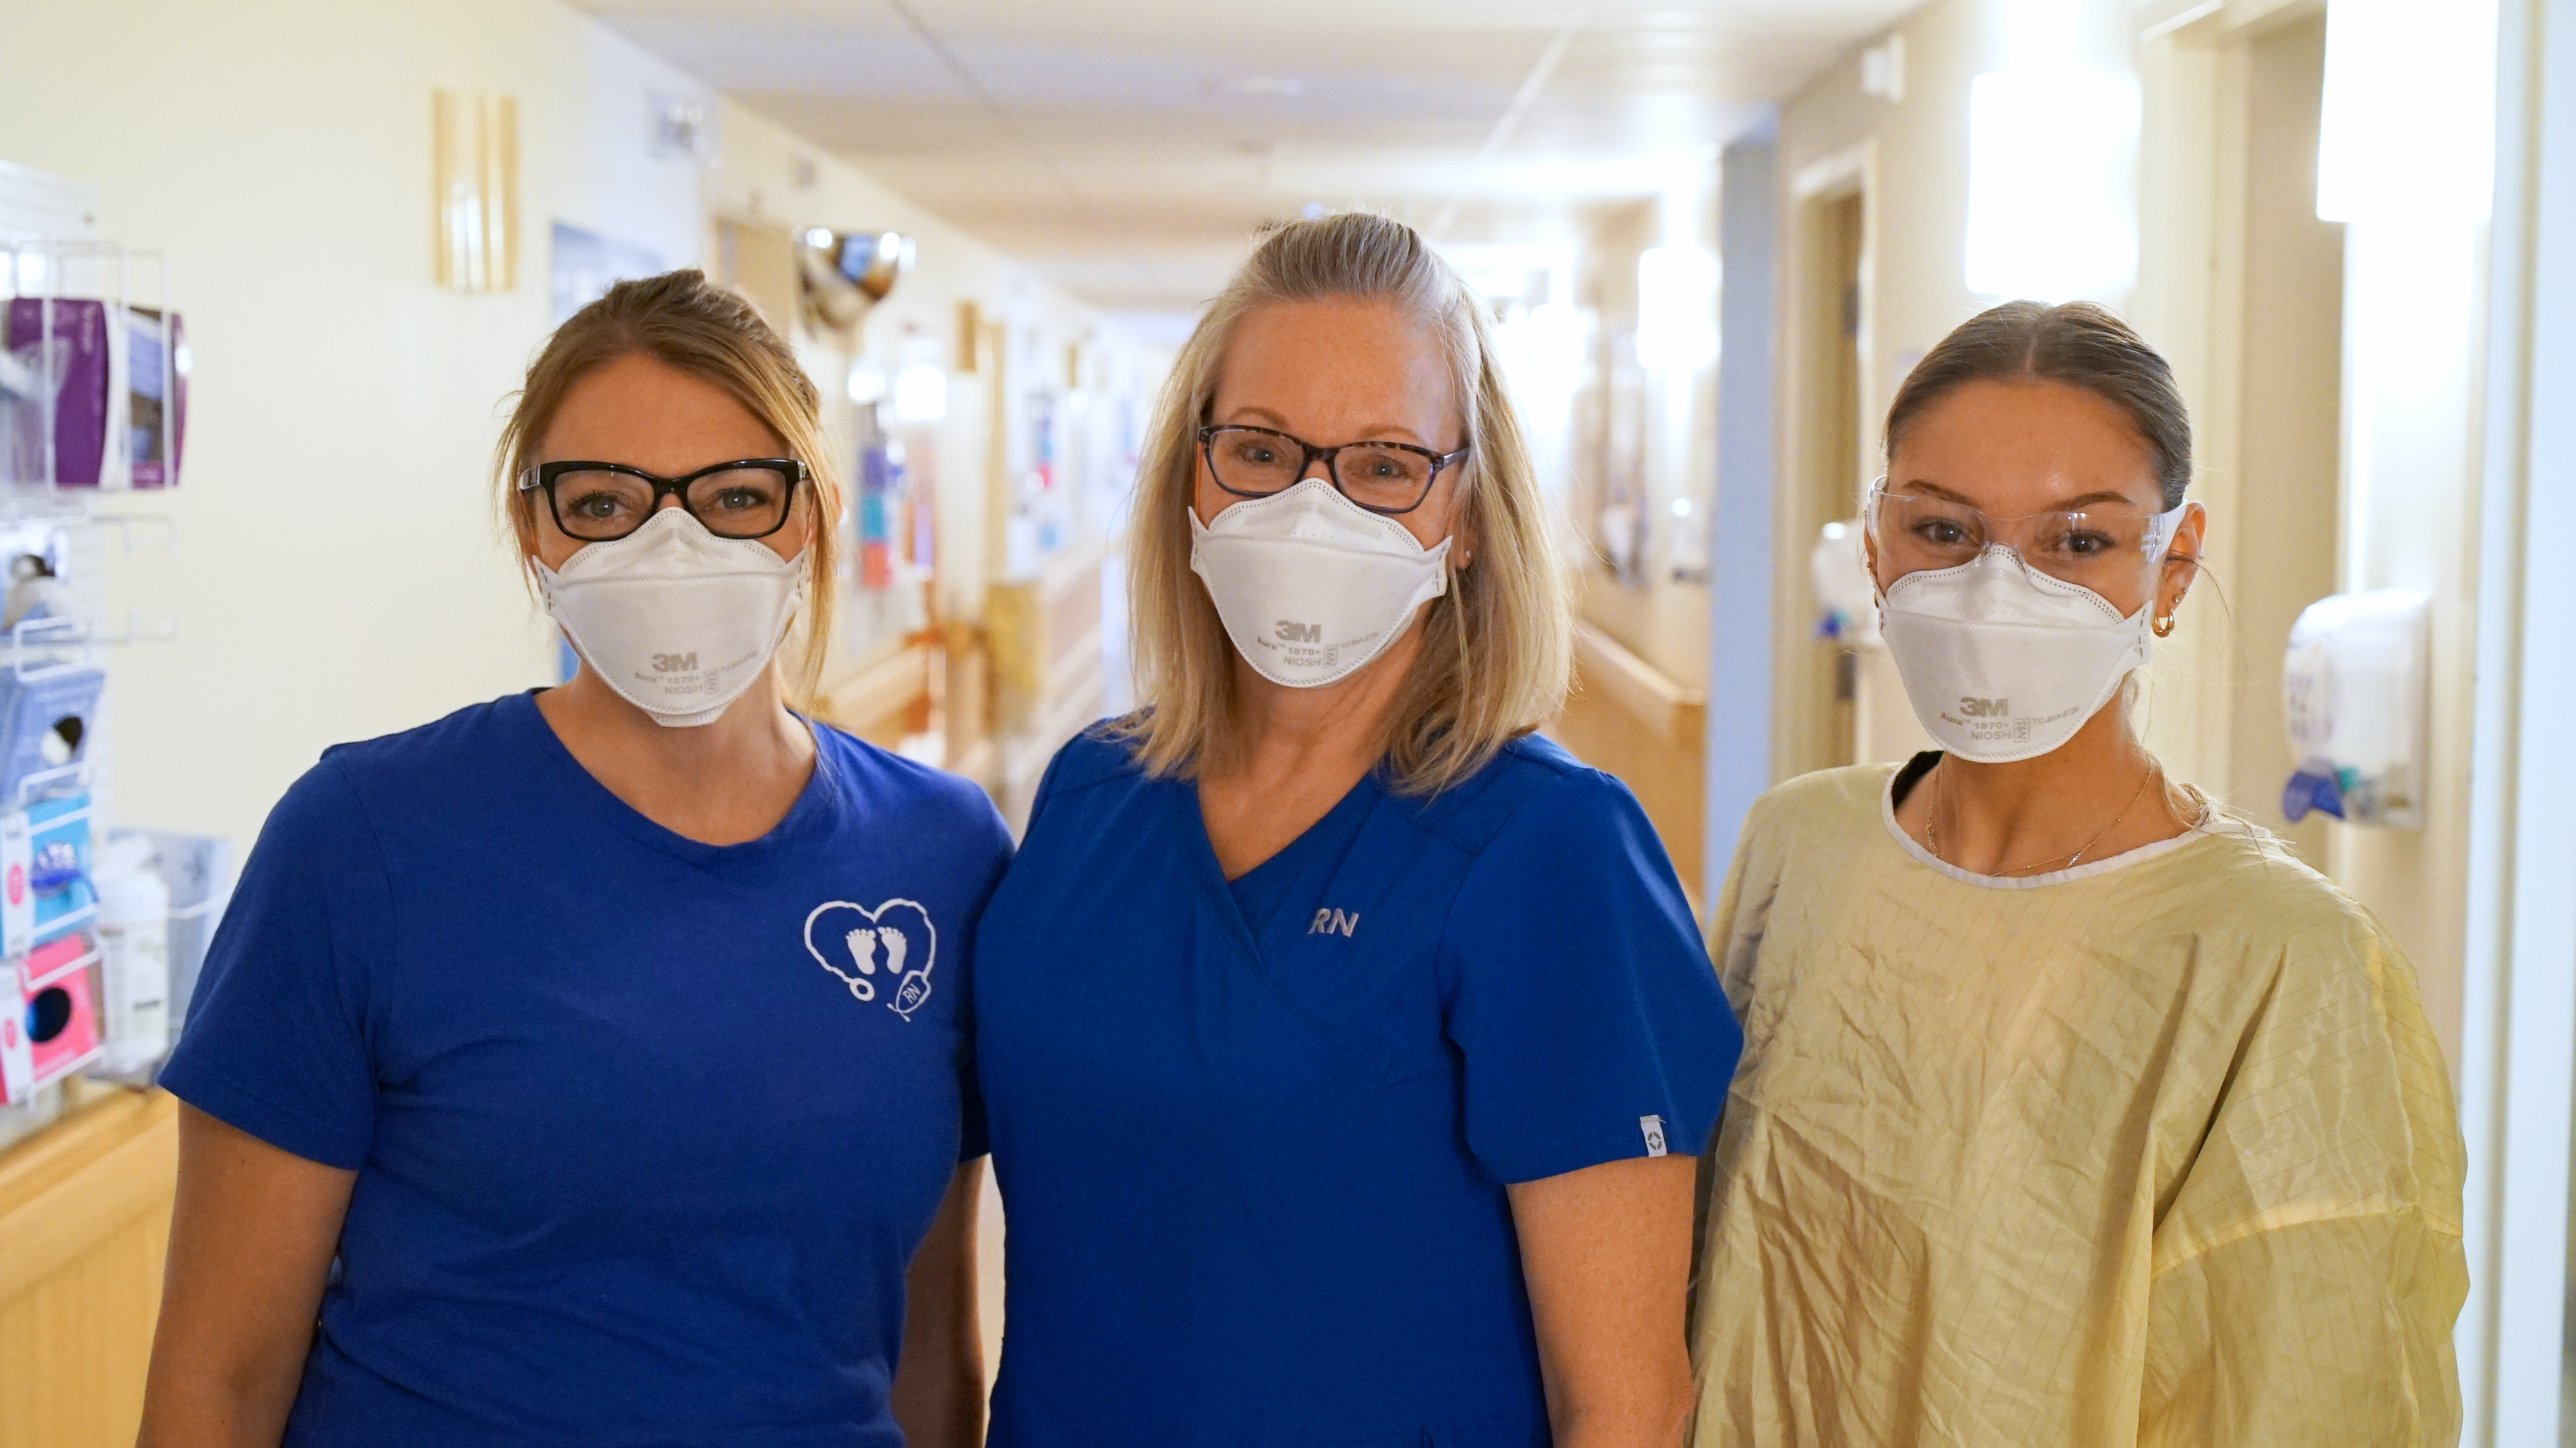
2156, 1150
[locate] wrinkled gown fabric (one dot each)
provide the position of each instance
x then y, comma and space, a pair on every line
2157, 1150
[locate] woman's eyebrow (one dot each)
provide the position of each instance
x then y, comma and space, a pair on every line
2086, 500
1918, 485
1370, 433
2062, 505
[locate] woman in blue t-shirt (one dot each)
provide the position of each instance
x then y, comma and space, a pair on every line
1347, 1047
591, 1063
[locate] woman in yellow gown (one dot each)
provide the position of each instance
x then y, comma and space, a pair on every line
2072, 1110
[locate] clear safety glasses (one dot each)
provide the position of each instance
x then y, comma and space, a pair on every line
2101, 546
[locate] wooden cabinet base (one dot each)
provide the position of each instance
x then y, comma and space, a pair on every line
84, 1222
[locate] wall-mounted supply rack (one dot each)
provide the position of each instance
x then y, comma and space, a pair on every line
93, 421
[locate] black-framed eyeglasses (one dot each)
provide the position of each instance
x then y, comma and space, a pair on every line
1383, 477
603, 502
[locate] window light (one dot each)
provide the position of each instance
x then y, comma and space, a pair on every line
2052, 161
2407, 130
920, 393
1676, 308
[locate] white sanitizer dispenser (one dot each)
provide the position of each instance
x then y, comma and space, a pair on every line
2354, 693
1838, 576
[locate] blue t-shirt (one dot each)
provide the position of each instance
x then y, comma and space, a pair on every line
1255, 1177
646, 1130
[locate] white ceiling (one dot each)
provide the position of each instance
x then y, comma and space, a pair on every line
1127, 148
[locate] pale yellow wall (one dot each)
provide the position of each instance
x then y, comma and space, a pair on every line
2411, 362
338, 574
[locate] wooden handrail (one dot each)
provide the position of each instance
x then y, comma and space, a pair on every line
874, 692
1673, 711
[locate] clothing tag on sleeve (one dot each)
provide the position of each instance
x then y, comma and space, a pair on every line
1653, 1127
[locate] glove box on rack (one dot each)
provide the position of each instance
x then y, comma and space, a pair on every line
48, 1016
45, 885
46, 719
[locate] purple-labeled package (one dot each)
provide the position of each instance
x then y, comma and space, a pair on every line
77, 342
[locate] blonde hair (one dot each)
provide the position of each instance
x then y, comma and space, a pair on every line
1495, 648
683, 321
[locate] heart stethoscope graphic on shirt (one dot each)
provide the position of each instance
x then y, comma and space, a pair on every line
894, 942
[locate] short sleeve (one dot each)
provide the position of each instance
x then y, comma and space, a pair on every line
276, 1037
1577, 992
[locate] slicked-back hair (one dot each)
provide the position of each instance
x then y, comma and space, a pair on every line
2076, 343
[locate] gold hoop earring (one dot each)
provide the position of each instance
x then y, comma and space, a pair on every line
2164, 627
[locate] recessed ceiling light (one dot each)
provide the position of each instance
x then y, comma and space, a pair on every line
1263, 85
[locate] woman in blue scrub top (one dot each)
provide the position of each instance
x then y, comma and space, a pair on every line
1346, 1046
591, 1063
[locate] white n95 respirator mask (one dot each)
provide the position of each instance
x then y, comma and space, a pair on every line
2003, 662
1311, 585
675, 619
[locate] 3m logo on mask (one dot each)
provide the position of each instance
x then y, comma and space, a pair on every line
1292, 632
676, 663
1974, 708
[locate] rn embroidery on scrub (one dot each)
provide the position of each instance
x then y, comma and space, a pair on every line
895, 940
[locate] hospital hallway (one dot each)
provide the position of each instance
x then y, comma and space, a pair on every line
1711, 238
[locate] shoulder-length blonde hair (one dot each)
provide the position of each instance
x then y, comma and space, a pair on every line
1495, 647
683, 321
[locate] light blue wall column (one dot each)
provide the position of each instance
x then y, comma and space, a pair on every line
1739, 665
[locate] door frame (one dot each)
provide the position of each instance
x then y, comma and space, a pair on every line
1801, 674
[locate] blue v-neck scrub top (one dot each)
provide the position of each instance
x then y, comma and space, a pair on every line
1253, 1137
646, 1131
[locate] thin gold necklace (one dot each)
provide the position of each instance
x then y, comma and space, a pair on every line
1941, 801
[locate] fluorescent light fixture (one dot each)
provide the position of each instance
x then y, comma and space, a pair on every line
2407, 129
867, 384
1676, 308
920, 393
1543, 350
1285, 87
2052, 166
